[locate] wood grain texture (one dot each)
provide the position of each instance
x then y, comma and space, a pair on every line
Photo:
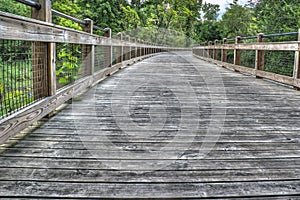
258, 73
14, 27
74, 154
17, 122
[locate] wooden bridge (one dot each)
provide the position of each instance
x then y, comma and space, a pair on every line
141, 120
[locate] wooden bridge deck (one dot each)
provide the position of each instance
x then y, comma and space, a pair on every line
171, 126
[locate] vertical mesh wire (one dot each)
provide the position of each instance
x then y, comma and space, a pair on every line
124, 53
230, 56
68, 64
248, 58
23, 78
133, 52
114, 55
99, 58
219, 56
39, 70
279, 62
107, 56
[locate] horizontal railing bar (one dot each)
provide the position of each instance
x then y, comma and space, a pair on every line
249, 37
280, 34
30, 3
98, 28
266, 36
230, 39
79, 21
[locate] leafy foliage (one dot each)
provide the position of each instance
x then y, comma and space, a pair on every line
105, 13
70, 8
14, 8
277, 16
68, 64
236, 21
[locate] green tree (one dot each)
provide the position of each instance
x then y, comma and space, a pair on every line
207, 28
132, 19
236, 21
207, 31
68, 7
14, 8
275, 16
210, 11
105, 13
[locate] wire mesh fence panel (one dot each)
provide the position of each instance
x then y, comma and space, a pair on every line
126, 53
132, 52
230, 41
40, 69
248, 58
219, 54
107, 56
282, 38
205, 53
279, 62
114, 55
68, 64
16, 76
119, 54
249, 41
138, 52
230, 56
99, 58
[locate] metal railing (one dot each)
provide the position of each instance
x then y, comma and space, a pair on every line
43, 65
276, 60
79, 21
30, 3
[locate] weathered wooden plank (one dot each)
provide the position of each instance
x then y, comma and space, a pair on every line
221, 146
127, 151
159, 176
259, 73
257, 153
275, 77
163, 190
177, 164
20, 120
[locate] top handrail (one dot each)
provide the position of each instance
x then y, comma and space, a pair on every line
79, 21
280, 34
253, 37
31, 3
266, 36
38, 6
